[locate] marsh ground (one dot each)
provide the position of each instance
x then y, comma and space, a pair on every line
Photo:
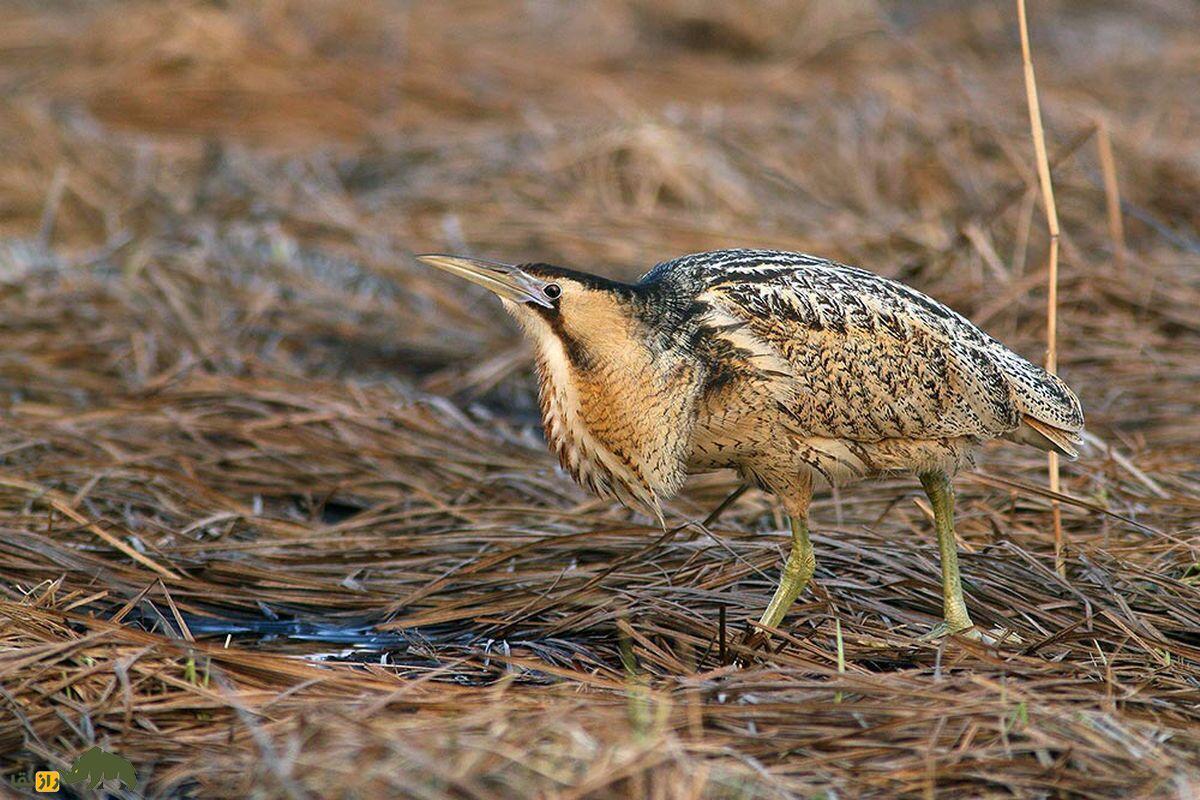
275, 515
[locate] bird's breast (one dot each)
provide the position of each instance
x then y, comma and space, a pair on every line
619, 427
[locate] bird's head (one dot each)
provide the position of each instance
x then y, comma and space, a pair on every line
583, 312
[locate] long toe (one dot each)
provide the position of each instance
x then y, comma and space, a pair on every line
1003, 637
998, 637
942, 630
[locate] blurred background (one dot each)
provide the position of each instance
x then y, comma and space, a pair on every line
220, 367
299, 150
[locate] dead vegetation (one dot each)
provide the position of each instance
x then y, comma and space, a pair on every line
275, 516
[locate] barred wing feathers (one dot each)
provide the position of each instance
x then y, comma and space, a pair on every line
871, 359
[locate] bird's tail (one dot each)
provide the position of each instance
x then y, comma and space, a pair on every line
1044, 436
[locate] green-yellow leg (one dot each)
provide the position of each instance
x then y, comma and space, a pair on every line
796, 572
941, 498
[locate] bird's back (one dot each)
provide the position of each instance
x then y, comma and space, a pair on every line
855, 356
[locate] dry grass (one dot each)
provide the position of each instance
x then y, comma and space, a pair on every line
275, 517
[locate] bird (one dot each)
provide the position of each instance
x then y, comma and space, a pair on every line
788, 368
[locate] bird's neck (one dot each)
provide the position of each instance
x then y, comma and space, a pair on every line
617, 413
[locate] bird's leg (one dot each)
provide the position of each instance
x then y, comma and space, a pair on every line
941, 498
796, 572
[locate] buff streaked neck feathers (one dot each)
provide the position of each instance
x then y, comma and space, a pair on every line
617, 414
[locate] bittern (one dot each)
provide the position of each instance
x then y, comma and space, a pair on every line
782, 366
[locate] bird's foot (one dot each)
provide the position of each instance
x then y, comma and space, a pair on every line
944, 629
1004, 636
753, 645
996, 636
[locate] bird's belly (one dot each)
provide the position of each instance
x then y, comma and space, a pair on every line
773, 450
744, 428
844, 460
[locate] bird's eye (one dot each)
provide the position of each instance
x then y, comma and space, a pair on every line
552, 290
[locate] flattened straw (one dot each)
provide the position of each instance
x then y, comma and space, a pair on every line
57, 502
726, 503
1043, 169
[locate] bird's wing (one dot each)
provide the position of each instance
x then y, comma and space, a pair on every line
867, 358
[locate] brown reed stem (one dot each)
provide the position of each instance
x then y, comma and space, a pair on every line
1047, 187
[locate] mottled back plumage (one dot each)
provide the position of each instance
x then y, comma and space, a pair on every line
876, 359
819, 365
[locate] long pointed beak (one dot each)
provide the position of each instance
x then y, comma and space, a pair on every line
505, 280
